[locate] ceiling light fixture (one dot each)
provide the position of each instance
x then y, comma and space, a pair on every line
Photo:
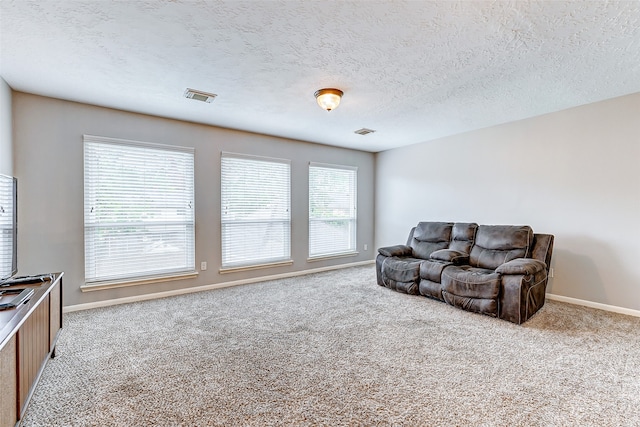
364, 131
328, 99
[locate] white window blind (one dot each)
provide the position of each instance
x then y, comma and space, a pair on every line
7, 211
256, 214
138, 209
332, 209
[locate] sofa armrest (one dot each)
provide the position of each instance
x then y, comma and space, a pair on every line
449, 255
397, 250
521, 266
522, 295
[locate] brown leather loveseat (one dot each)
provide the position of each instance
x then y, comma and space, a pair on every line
498, 270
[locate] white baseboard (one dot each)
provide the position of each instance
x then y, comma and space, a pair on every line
591, 304
145, 297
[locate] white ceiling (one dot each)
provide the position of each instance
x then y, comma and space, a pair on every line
411, 70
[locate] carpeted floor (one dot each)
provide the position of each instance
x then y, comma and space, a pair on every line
335, 349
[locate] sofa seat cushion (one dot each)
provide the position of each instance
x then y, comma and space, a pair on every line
401, 274
432, 270
401, 269
471, 288
471, 282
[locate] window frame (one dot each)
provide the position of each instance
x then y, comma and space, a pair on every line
184, 223
229, 261
353, 219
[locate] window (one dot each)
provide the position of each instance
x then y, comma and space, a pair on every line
8, 226
256, 217
138, 209
332, 210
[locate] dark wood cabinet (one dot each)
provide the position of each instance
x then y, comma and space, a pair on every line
28, 336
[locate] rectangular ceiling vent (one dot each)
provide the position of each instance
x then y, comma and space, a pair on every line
198, 95
364, 131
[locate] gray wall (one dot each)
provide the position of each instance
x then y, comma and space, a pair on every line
574, 174
6, 138
49, 165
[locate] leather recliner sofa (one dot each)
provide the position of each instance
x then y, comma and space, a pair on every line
497, 270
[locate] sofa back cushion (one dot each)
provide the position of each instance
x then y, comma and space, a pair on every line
462, 236
497, 244
429, 237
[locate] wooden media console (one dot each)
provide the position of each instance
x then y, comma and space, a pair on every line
28, 336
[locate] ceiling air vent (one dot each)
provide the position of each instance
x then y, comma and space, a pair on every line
364, 131
199, 95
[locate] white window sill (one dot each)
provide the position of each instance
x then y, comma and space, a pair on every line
326, 257
226, 270
99, 286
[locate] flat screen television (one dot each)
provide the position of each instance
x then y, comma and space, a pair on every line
8, 227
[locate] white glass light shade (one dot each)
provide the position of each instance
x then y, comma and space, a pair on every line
328, 99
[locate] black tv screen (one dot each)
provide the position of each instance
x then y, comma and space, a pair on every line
8, 227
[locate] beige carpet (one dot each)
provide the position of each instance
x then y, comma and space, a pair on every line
335, 349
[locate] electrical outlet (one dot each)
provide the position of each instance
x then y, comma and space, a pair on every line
366, 246
551, 272
203, 265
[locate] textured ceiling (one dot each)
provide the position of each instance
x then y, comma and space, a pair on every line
411, 70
